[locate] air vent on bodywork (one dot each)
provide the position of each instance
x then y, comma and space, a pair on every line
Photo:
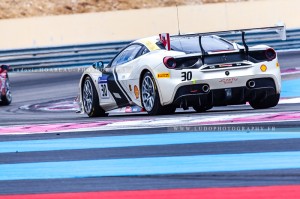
224, 66
258, 55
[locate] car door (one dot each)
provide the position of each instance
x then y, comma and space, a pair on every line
117, 72
125, 70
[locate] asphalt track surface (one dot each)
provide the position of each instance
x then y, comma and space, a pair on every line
144, 162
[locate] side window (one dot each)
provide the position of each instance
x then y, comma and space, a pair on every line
126, 55
143, 51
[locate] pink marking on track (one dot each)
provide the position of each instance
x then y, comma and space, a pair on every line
71, 106
67, 105
269, 117
150, 123
46, 128
290, 71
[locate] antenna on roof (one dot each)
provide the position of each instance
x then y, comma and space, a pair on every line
178, 20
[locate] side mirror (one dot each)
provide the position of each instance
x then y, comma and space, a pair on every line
98, 65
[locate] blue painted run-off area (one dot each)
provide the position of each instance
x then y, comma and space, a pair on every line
290, 88
151, 166
140, 140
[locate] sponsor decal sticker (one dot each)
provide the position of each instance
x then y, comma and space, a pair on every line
151, 46
263, 68
102, 82
225, 65
228, 80
136, 92
163, 75
102, 79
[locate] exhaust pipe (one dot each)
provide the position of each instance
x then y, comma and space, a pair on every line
205, 88
251, 84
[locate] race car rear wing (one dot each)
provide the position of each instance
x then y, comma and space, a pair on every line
280, 29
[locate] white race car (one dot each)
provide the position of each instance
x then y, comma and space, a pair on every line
162, 73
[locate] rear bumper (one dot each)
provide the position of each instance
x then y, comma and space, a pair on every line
190, 95
224, 78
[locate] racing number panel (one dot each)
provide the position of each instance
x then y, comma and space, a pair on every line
107, 82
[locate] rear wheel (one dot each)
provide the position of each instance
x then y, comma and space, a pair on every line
150, 97
268, 102
90, 99
169, 109
6, 99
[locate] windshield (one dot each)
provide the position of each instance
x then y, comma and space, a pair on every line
191, 44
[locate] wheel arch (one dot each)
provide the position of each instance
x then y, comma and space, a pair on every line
81, 84
97, 110
144, 71
94, 81
86, 75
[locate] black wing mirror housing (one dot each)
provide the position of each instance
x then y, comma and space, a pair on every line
99, 65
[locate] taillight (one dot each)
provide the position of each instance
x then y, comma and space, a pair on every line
270, 54
170, 62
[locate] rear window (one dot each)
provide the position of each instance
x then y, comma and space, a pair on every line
191, 44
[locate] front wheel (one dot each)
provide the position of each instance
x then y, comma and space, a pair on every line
150, 97
268, 102
6, 99
90, 99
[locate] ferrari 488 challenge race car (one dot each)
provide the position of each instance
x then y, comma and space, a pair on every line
5, 94
164, 72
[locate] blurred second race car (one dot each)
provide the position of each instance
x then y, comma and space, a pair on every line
5, 93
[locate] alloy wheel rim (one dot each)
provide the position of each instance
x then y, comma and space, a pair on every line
87, 96
148, 93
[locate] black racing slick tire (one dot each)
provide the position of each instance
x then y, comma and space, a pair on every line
90, 99
6, 99
268, 102
150, 97
200, 109
168, 109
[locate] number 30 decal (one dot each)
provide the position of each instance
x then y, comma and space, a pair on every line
103, 91
186, 76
